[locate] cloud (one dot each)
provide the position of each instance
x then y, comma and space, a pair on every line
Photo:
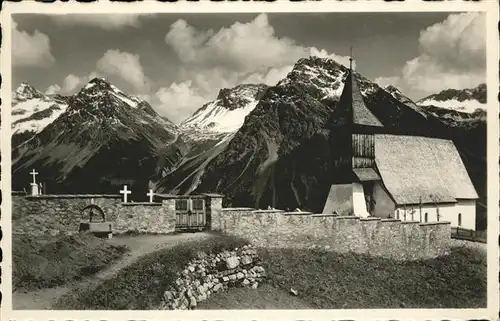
386, 81
71, 82
452, 55
30, 50
125, 65
53, 89
183, 96
104, 21
241, 53
271, 77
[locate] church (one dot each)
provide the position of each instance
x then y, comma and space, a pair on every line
382, 174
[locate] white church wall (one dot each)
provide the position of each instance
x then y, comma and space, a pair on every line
467, 209
384, 205
404, 213
358, 200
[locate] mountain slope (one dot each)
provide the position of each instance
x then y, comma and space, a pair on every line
464, 100
227, 113
207, 132
281, 155
104, 138
32, 111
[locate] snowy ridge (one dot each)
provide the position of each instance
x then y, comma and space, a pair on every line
227, 113
219, 119
462, 100
325, 75
35, 114
32, 111
466, 106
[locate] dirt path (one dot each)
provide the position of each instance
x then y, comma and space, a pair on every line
139, 246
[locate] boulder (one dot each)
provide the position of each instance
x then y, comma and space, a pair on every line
232, 262
245, 260
192, 302
168, 296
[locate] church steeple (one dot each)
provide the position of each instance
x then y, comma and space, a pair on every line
350, 61
352, 100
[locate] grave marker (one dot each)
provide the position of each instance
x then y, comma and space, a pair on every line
150, 194
35, 190
125, 193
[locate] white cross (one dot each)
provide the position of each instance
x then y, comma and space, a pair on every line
125, 192
34, 173
150, 194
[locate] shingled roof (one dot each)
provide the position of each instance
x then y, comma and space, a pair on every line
421, 169
361, 115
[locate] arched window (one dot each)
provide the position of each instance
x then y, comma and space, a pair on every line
459, 219
426, 217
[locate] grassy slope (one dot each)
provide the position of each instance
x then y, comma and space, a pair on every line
323, 280
142, 284
264, 297
44, 263
335, 281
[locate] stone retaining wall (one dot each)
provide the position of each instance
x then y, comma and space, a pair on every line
55, 214
209, 274
374, 236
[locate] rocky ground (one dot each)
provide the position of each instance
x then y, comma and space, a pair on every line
209, 274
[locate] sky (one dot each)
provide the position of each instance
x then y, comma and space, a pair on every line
178, 62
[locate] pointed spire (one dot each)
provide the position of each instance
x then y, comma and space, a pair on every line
353, 100
350, 60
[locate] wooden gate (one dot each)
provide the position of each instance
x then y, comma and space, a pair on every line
190, 214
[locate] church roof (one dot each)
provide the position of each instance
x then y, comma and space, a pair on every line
421, 169
361, 115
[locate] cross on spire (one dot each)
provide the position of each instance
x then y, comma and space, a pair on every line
125, 193
150, 194
34, 173
350, 60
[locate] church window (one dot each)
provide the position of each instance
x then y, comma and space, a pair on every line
181, 205
198, 205
426, 217
459, 219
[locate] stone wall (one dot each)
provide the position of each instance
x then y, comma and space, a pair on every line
55, 214
388, 238
146, 218
209, 274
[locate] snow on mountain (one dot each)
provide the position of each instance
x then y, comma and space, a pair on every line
32, 111
227, 113
396, 93
116, 137
25, 91
322, 76
464, 100
467, 106
33, 115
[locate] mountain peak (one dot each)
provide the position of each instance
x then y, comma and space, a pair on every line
25, 91
227, 113
315, 61
464, 100
391, 88
99, 83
